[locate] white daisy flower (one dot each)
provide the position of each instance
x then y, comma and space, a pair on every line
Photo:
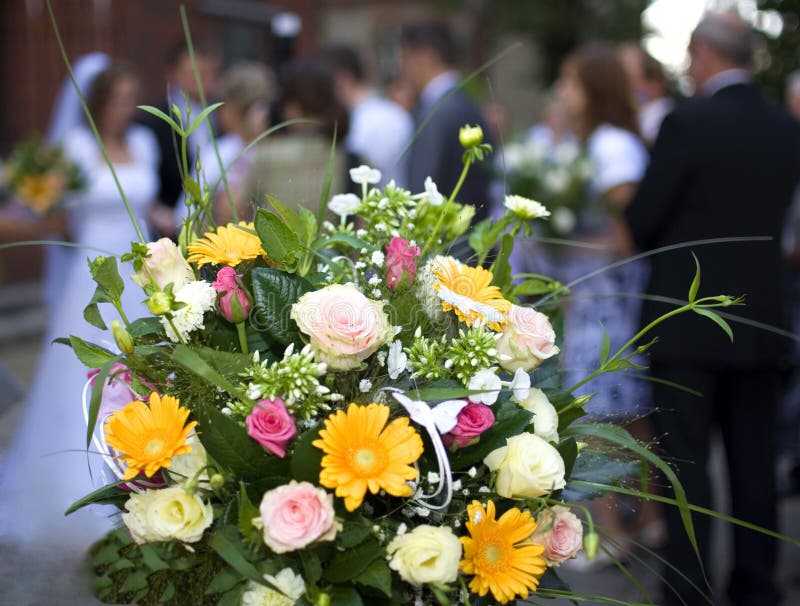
525, 208
365, 174
344, 204
489, 385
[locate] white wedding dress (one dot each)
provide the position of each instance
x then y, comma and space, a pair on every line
47, 466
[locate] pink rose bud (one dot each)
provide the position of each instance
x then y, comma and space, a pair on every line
296, 515
560, 532
234, 302
471, 422
401, 263
270, 424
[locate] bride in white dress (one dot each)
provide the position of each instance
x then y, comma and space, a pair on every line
47, 465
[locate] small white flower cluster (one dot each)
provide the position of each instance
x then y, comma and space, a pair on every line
198, 297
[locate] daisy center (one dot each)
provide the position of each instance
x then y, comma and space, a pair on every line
154, 446
367, 461
493, 554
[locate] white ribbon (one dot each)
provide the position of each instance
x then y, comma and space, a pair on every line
437, 420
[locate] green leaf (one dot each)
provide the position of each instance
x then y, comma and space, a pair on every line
192, 361
225, 580
110, 494
135, 581
306, 461
151, 558
310, 224
224, 541
339, 238
502, 267
312, 566
274, 293
325, 193
105, 273
378, 576
144, 327
247, 511
280, 243
354, 532
232, 597
91, 313
605, 347
287, 215
568, 449
202, 116
159, 114
695, 286
345, 596
192, 188
347, 565
510, 420
535, 286
90, 355
711, 315
97, 393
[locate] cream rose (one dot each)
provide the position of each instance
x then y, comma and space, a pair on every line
296, 515
527, 467
186, 466
165, 264
545, 416
527, 340
427, 554
344, 326
560, 532
165, 515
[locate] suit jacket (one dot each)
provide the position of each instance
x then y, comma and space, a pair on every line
436, 151
722, 166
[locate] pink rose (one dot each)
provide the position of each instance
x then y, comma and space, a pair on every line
271, 425
343, 325
296, 515
165, 264
234, 302
561, 534
117, 391
471, 422
401, 263
527, 340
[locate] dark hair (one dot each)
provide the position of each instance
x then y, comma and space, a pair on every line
434, 36
103, 85
202, 48
609, 98
345, 59
309, 83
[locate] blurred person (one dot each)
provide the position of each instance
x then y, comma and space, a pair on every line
247, 90
291, 166
597, 95
725, 164
442, 108
47, 466
793, 94
182, 87
554, 127
380, 129
649, 83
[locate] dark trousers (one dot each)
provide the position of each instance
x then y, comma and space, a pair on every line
742, 403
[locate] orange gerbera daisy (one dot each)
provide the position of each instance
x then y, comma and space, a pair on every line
498, 553
469, 292
362, 452
229, 245
147, 437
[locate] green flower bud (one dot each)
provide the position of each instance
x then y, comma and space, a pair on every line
217, 481
122, 337
470, 136
159, 303
191, 485
323, 599
590, 544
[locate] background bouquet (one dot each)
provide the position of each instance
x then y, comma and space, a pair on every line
38, 175
339, 413
557, 173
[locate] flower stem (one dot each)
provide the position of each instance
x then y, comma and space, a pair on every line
432, 238
242, 337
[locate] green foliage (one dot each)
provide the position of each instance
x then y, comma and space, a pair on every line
281, 244
274, 293
510, 420
90, 355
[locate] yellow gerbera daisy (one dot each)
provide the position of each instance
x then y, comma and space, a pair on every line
469, 292
149, 436
362, 452
229, 245
498, 555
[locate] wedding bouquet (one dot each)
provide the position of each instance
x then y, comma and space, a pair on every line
341, 414
557, 173
39, 175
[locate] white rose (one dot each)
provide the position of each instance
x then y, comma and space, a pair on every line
545, 416
165, 264
527, 467
185, 466
165, 515
427, 554
288, 583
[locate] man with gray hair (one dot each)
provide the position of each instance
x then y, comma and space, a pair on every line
725, 165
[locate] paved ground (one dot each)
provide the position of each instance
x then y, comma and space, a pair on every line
43, 583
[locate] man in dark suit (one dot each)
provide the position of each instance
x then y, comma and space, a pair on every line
182, 85
429, 59
725, 164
